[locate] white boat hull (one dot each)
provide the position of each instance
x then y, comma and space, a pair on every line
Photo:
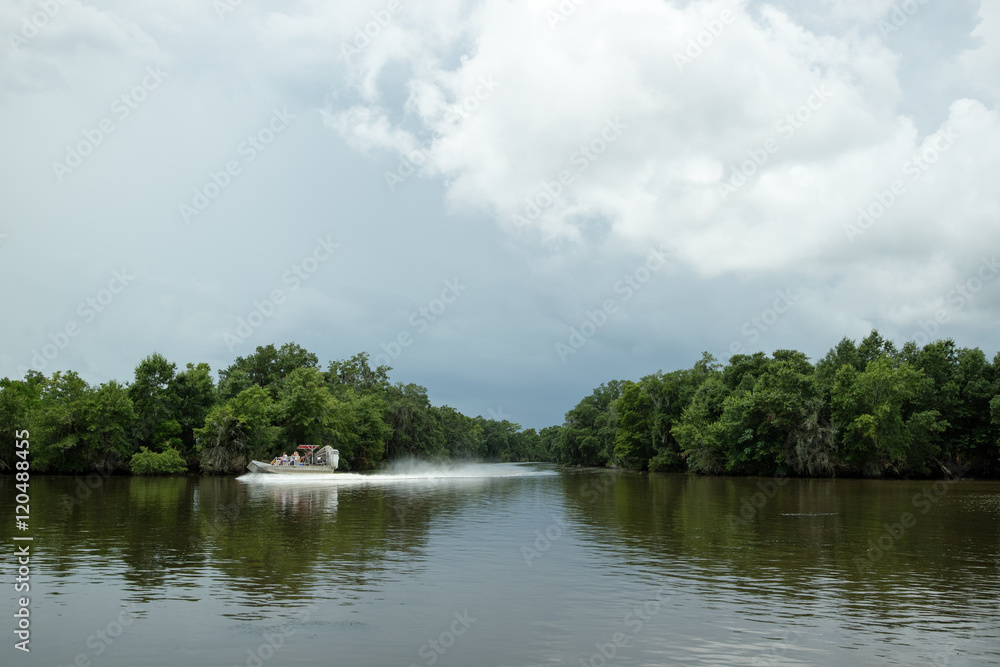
260, 466
328, 459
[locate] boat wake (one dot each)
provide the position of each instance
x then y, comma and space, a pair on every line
406, 471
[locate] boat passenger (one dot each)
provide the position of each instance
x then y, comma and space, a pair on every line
284, 459
295, 459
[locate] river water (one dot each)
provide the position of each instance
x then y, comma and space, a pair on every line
505, 564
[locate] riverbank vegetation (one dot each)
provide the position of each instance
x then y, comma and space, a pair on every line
271, 401
863, 410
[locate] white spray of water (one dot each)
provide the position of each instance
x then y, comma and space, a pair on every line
411, 470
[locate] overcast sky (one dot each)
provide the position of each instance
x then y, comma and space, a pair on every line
511, 201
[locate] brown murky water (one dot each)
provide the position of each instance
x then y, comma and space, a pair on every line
507, 565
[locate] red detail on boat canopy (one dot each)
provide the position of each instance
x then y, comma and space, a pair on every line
309, 447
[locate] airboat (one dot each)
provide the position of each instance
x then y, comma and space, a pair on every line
324, 460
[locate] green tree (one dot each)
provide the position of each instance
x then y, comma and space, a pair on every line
309, 414
151, 399
192, 394
108, 417
869, 405
416, 429
356, 373
463, 435
501, 440
588, 434
699, 432
59, 425
365, 433
238, 431
635, 442
670, 394
873, 347
19, 399
266, 367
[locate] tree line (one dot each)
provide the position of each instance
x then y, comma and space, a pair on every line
171, 420
865, 409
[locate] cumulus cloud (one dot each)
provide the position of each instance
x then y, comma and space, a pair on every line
983, 62
749, 141
534, 148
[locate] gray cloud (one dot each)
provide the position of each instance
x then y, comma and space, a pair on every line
471, 141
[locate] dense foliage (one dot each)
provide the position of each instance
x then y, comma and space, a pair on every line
267, 403
865, 409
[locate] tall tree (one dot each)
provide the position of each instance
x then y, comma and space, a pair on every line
356, 373
870, 406
308, 412
699, 432
238, 431
60, 423
266, 367
192, 393
108, 415
416, 430
152, 402
635, 442
18, 401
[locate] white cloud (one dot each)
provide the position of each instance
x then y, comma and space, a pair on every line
860, 10
496, 100
688, 126
982, 63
